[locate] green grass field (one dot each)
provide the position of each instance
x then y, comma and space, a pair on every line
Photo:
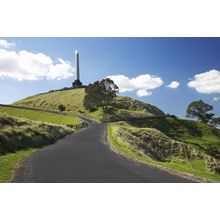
40, 116
9, 162
72, 99
194, 166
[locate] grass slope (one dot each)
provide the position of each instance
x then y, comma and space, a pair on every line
141, 141
72, 99
40, 116
20, 137
201, 136
17, 134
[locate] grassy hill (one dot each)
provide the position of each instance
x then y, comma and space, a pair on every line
183, 145
72, 99
20, 137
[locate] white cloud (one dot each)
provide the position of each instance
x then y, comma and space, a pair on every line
216, 99
142, 84
207, 82
143, 92
173, 85
6, 44
25, 65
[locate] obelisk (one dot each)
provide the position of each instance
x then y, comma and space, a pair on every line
77, 64
77, 82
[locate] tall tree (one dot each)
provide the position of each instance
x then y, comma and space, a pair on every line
200, 110
100, 94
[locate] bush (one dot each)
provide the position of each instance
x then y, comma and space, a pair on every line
61, 107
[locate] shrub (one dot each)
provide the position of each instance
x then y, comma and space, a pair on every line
61, 107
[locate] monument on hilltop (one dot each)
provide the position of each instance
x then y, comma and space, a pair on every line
77, 83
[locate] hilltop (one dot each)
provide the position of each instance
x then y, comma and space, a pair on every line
72, 99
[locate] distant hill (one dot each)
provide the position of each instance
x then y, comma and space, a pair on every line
72, 99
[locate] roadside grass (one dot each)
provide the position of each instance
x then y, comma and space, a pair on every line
40, 116
9, 162
17, 134
192, 167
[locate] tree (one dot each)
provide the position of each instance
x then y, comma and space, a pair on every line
100, 94
200, 110
61, 107
215, 122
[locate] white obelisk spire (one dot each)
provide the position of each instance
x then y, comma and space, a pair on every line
77, 64
77, 83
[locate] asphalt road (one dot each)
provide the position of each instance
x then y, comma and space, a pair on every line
85, 157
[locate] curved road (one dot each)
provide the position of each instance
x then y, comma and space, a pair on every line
85, 157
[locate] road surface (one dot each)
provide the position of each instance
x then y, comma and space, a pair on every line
85, 157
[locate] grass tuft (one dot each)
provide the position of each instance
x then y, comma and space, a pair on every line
9, 162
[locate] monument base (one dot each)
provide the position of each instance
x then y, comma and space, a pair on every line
77, 83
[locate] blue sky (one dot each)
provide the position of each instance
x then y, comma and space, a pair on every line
161, 60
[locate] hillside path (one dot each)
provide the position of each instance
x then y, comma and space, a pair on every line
85, 157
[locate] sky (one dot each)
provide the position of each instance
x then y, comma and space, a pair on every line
166, 72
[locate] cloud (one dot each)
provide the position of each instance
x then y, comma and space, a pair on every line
5, 44
216, 99
207, 82
25, 65
143, 92
142, 84
173, 85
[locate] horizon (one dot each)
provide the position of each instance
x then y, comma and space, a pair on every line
181, 69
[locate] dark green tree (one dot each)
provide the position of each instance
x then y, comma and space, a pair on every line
100, 94
61, 107
200, 110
